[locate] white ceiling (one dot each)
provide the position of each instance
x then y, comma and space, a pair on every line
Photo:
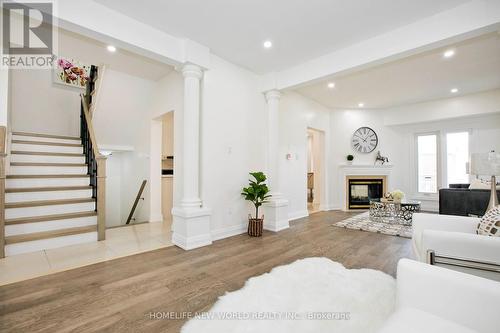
424, 77
91, 51
300, 29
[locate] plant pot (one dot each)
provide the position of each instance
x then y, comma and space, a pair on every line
255, 227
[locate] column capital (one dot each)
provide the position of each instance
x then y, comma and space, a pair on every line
191, 70
272, 95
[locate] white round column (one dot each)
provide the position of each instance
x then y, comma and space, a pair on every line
276, 210
191, 220
192, 75
273, 107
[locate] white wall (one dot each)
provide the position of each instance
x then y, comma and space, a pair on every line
297, 113
232, 143
168, 96
343, 124
41, 106
123, 120
4, 97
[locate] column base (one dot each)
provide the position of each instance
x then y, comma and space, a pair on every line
191, 227
276, 215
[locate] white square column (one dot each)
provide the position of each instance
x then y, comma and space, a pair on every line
276, 210
191, 221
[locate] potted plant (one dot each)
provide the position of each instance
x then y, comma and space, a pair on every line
349, 159
257, 193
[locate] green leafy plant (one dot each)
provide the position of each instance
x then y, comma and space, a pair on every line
257, 191
350, 157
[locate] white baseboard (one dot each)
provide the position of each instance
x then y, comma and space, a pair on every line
191, 242
226, 232
328, 208
298, 215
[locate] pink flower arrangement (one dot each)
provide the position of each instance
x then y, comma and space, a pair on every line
72, 74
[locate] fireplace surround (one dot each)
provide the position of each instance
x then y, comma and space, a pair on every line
361, 191
365, 171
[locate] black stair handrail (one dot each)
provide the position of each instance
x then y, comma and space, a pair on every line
136, 201
88, 146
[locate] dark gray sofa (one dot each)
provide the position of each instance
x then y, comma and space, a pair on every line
458, 199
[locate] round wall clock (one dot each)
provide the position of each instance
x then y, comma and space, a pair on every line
364, 140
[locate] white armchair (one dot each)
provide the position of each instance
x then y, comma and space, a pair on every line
435, 300
452, 242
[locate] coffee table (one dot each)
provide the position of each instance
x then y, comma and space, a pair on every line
393, 211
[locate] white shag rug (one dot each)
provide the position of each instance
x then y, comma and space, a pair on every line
289, 297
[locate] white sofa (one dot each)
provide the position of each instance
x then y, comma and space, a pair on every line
432, 299
455, 238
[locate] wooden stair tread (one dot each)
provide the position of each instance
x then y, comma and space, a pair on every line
38, 203
46, 176
42, 143
46, 153
48, 164
44, 218
47, 189
49, 234
42, 135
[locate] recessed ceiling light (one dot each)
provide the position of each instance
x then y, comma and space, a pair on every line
111, 48
449, 53
331, 85
268, 44
454, 90
361, 105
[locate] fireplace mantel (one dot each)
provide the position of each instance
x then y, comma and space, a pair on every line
346, 170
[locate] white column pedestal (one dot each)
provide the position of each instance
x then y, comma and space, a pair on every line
191, 227
276, 215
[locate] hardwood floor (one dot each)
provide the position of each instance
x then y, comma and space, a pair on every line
122, 294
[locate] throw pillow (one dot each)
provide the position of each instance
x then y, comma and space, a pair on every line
490, 223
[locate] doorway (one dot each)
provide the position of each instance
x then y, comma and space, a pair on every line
315, 170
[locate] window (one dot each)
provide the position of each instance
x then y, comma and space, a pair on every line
457, 156
427, 157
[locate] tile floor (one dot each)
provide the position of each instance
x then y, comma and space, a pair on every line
120, 242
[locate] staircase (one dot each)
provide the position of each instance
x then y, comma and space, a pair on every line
53, 193
48, 200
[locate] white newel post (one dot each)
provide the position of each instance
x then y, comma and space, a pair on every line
191, 221
276, 210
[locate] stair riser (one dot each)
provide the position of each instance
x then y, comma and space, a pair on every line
44, 148
48, 195
28, 228
13, 213
43, 182
50, 140
46, 159
47, 170
51, 243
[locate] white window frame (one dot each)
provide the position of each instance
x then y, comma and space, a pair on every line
425, 195
444, 175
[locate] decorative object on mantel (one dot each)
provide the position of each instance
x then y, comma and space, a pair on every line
487, 165
364, 140
257, 193
349, 158
381, 159
363, 222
